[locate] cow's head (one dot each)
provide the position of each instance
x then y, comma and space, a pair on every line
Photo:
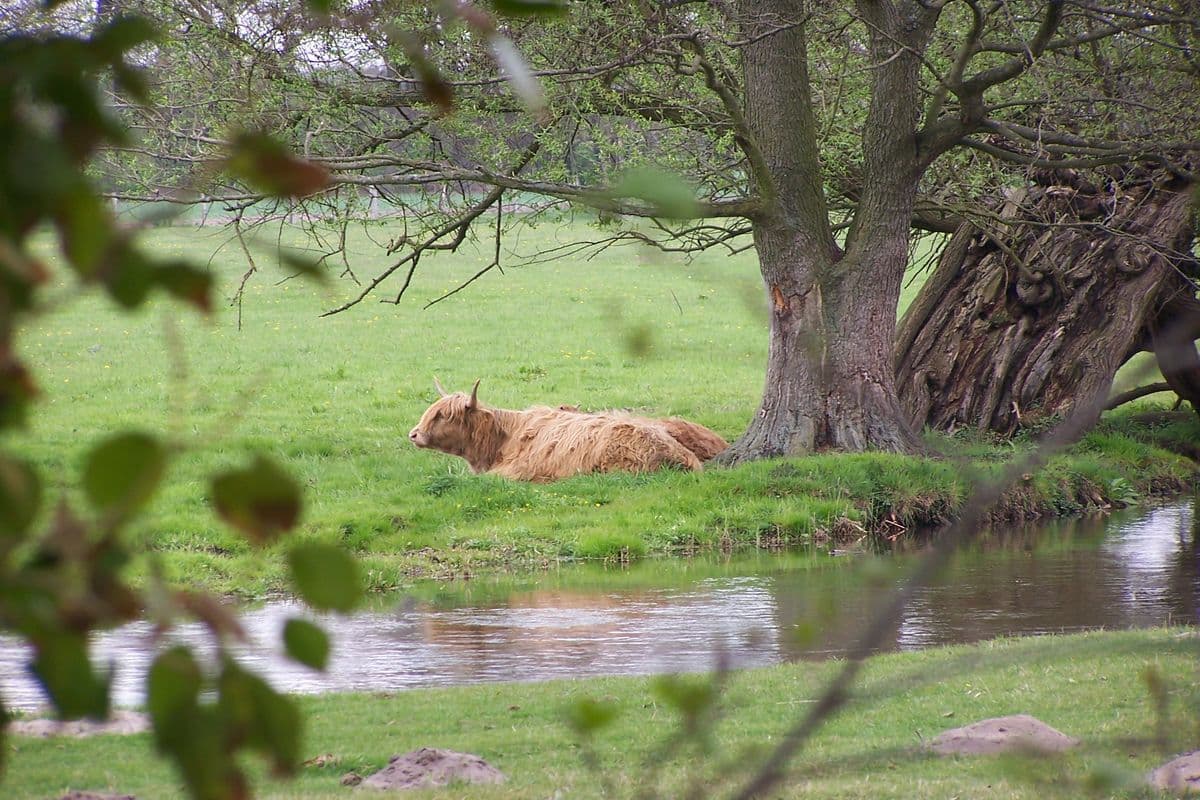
457, 424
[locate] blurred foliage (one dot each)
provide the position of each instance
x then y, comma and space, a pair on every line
62, 570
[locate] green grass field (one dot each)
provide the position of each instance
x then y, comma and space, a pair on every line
1091, 686
333, 399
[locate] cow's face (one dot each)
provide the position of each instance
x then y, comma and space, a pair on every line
445, 425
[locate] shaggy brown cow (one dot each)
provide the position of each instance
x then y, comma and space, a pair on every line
545, 444
700, 440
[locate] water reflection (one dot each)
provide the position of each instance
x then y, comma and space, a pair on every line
1126, 571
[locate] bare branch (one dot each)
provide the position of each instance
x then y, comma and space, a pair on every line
1016, 157
977, 84
733, 107
597, 198
240, 294
1136, 394
457, 226
1075, 143
954, 80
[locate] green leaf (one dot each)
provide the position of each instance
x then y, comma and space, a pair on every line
262, 501
122, 35
278, 729
189, 733
303, 265
804, 634
129, 276
306, 643
5, 720
267, 165
588, 716
665, 192
254, 712
326, 577
320, 6
186, 283
690, 696
529, 8
123, 471
131, 81
65, 672
173, 694
16, 390
638, 339
20, 496
85, 229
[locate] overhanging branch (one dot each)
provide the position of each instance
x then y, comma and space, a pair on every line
457, 227
1136, 394
597, 198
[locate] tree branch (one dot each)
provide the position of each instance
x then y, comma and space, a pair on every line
982, 81
953, 81
1136, 394
589, 196
1017, 157
458, 226
765, 180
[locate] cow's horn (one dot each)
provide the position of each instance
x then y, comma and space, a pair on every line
474, 401
437, 385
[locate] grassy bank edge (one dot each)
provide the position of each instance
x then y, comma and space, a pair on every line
459, 526
1093, 686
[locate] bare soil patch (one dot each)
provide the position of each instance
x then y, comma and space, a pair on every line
431, 766
1002, 734
120, 722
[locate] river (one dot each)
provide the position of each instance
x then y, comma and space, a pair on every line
1132, 569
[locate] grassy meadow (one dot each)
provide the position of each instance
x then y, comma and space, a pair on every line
333, 399
1091, 686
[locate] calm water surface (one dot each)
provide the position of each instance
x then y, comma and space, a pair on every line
1134, 569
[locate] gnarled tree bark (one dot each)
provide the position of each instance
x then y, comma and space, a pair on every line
1037, 307
829, 382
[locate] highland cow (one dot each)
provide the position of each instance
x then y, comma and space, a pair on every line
544, 444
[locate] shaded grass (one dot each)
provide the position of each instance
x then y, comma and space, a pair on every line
333, 399
1090, 686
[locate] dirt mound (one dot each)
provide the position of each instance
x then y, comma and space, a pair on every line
120, 722
430, 766
1180, 775
1002, 734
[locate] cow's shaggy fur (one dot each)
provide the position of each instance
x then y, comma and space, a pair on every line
700, 440
705, 443
545, 444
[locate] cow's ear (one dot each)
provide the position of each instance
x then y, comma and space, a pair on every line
473, 403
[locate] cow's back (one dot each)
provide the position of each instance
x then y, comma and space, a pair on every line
700, 440
549, 444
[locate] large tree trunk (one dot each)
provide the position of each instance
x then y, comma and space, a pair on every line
1023, 319
790, 417
862, 407
829, 382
